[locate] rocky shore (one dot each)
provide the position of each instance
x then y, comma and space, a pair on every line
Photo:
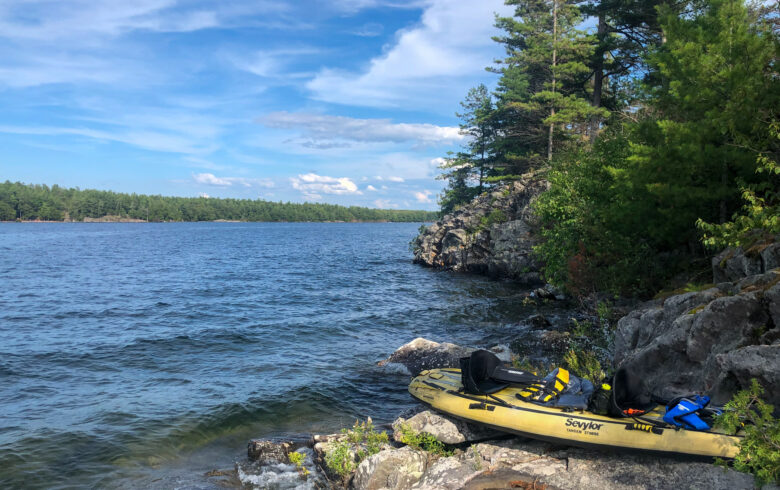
712, 341
493, 235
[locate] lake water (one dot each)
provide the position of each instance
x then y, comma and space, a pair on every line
144, 355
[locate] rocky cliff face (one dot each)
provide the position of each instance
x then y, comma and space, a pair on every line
712, 341
492, 235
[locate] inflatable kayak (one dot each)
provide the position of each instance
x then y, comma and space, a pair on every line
442, 390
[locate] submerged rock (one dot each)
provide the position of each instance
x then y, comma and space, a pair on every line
491, 235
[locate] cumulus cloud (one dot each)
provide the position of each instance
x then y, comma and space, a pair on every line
336, 131
453, 37
423, 196
312, 186
213, 180
384, 204
370, 188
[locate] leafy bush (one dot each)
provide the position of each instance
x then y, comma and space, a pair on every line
759, 450
585, 364
340, 460
357, 443
760, 213
423, 441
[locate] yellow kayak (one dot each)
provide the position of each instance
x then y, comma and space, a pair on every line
442, 390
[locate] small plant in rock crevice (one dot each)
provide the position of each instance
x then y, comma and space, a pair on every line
298, 459
423, 441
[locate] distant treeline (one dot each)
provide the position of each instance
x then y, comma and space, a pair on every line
55, 203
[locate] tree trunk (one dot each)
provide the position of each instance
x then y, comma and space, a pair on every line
554, 61
598, 77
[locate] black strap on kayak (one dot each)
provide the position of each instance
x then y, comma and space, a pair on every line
482, 406
645, 428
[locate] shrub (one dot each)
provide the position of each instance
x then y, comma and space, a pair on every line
358, 443
759, 450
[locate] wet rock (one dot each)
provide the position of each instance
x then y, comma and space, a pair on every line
492, 235
446, 429
272, 473
539, 322
394, 469
269, 452
421, 354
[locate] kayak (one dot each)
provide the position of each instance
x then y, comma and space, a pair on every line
442, 390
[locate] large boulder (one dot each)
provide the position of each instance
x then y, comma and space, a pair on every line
712, 341
446, 429
421, 354
393, 469
492, 235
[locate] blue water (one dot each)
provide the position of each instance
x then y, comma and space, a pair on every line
135, 354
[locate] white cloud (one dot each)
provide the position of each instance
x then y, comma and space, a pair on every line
384, 204
273, 63
423, 196
327, 131
437, 162
312, 186
369, 29
371, 188
395, 179
436, 57
204, 195
149, 140
211, 179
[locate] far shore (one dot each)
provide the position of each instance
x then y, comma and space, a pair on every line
132, 220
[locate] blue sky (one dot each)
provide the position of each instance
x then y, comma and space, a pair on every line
345, 101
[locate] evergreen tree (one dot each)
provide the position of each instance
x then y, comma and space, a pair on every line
478, 125
549, 54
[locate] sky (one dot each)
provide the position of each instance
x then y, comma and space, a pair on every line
344, 101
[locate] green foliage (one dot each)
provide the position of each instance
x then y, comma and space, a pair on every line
423, 441
356, 444
761, 210
298, 459
759, 450
31, 202
340, 459
494, 217
584, 364
592, 234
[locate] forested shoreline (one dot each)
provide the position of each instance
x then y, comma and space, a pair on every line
28, 202
658, 130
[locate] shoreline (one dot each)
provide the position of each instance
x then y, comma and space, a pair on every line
130, 220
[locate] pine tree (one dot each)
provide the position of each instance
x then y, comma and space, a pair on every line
549, 54
711, 112
478, 125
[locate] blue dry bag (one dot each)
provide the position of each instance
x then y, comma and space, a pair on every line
682, 412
